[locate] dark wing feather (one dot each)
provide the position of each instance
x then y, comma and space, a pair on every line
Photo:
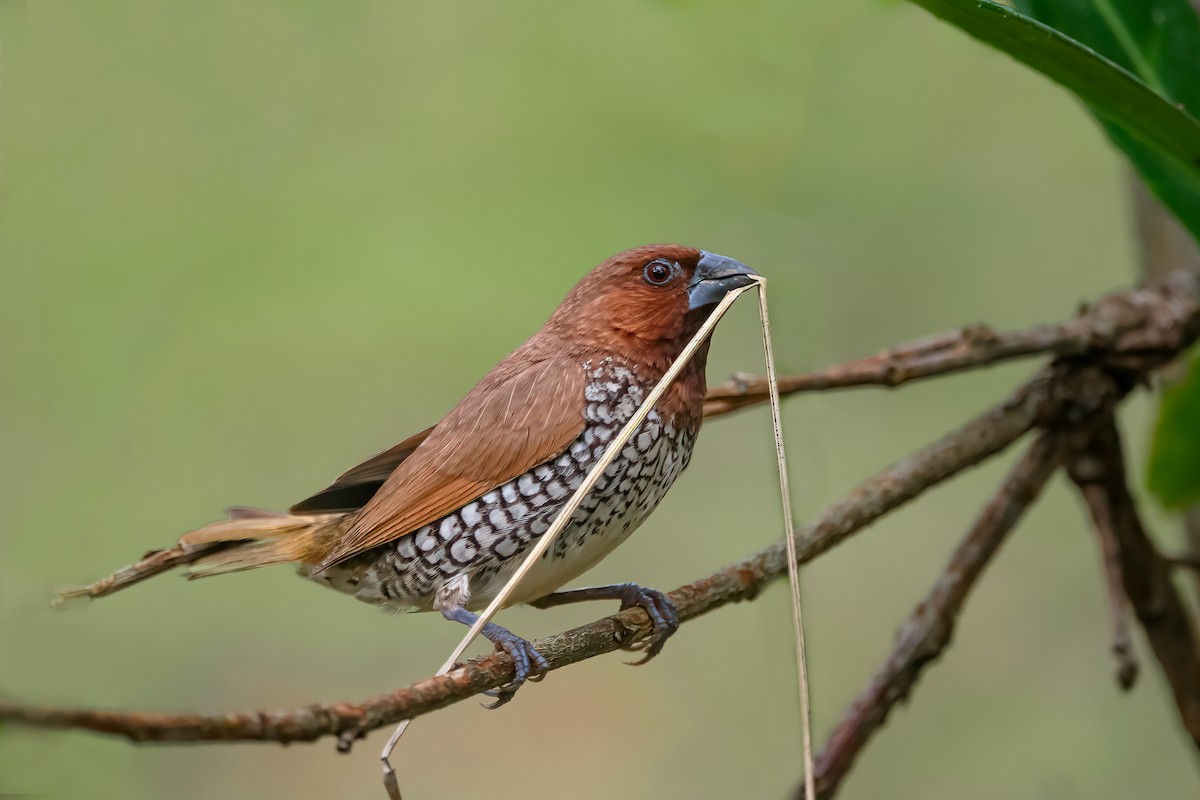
355, 487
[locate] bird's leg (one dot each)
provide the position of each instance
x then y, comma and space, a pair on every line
526, 660
657, 605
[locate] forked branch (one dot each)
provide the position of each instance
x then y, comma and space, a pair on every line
1057, 394
1101, 354
1137, 329
1099, 472
930, 626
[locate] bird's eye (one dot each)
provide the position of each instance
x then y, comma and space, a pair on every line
658, 272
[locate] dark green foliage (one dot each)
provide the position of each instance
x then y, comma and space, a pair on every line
1118, 95
1174, 471
1159, 41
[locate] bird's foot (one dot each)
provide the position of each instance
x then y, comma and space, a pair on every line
528, 663
662, 613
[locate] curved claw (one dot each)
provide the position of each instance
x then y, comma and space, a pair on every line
662, 613
502, 695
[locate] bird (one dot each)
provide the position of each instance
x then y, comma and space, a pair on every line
440, 521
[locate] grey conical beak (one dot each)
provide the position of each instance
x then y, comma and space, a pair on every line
715, 277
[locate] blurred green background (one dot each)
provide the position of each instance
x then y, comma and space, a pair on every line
246, 244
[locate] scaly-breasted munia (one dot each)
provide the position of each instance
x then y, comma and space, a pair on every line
440, 521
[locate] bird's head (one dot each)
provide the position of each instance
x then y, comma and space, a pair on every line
651, 297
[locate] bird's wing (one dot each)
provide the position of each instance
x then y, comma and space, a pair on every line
355, 487
524, 412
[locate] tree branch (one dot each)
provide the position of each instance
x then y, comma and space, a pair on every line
1099, 472
1135, 329
1059, 394
929, 628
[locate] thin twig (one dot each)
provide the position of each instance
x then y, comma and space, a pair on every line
1122, 645
928, 630
1184, 560
1060, 394
1099, 472
1131, 329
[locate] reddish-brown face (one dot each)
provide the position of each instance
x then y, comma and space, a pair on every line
656, 294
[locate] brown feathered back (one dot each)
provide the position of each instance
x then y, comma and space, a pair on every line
525, 411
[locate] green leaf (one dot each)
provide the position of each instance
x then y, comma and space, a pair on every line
1174, 472
1158, 40
1160, 137
1178, 191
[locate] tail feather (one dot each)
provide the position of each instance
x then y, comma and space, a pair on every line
248, 539
262, 538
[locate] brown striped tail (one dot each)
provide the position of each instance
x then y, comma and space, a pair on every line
248, 539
